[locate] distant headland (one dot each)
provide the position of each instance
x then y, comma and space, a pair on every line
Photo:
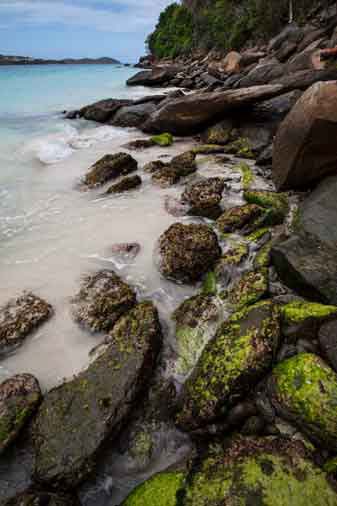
27, 60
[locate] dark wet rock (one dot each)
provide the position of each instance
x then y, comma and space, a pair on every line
19, 398
125, 184
191, 113
42, 499
140, 144
303, 153
259, 471
276, 204
170, 173
110, 167
133, 115
204, 197
126, 251
152, 167
266, 157
19, 317
187, 252
250, 288
102, 300
76, 418
328, 342
161, 489
155, 77
245, 219
231, 364
303, 390
302, 319
184, 163
103, 111
166, 176
275, 109
220, 134
196, 321
307, 261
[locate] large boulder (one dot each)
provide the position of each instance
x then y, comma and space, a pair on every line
102, 300
76, 418
233, 362
154, 77
303, 390
191, 113
110, 167
19, 317
102, 111
186, 252
19, 398
133, 115
303, 151
307, 260
259, 471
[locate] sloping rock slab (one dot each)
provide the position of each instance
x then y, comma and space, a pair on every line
103, 110
19, 317
19, 397
76, 418
189, 114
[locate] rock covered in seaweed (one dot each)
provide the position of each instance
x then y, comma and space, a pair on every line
303, 390
276, 204
237, 358
102, 299
250, 288
109, 167
186, 252
243, 219
77, 417
19, 317
19, 398
168, 174
204, 197
160, 490
125, 184
303, 319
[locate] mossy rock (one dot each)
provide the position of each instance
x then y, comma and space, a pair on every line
102, 299
187, 252
204, 197
244, 219
246, 174
152, 167
196, 321
164, 140
221, 133
76, 418
250, 288
241, 147
303, 390
263, 256
165, 177
19, 318
261, 472
125, 184
19, 399
160, 490
234, 256
239, 355
303, 319
184, 164
39, 498
277, 205
110, 167
209, 149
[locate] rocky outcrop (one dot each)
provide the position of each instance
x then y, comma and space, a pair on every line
19, 398
186, 252
102, 300
19, 317
303, 152
109, 167
92, 406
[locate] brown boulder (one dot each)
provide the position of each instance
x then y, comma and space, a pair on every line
304, 150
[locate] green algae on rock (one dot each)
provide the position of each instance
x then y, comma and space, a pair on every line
19, 398
220, 133
204, 197
250, 288
125, 184
303, 390
164, 140
233, 362
186, 252
277, 205
102, 299
110, 167
160, 490
241, 147
152, 167
243, 219
208, 149
259, 471
19, 317
246, 173
196, 321
234, 256
303, 319
263, 256
76, 418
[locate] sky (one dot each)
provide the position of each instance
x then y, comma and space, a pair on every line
77, 28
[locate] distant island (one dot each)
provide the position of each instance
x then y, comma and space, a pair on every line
27, 60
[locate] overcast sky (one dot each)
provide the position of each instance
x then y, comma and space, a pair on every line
77, 28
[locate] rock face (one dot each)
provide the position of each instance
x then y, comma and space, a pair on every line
303, 390
303, 152
239, 355
41, 499
102, 300
187, 252
252, 471
19, 398
204, 197
110, 167
19, 317
190, 114
307, 261
77, 417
